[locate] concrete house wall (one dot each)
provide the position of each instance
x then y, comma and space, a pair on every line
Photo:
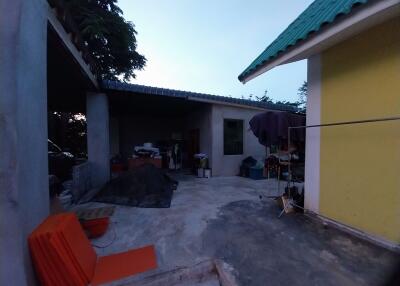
358, 182
114, 136
201, 119
136, 130
129, 130
228, 165
23, 134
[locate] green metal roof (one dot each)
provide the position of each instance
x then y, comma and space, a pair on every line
317, 15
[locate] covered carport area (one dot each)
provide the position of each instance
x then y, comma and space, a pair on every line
165, 118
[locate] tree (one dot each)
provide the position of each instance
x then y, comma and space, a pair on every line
302, 92
68, 131
264, 98
300, 106
110, 39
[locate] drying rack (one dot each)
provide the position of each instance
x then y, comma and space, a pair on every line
354, 122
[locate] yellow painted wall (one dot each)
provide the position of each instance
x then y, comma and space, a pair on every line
360, 164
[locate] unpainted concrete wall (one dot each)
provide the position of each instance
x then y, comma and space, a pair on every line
201, 119
136, 130
24, 190
129, 131
114, 136
228, 165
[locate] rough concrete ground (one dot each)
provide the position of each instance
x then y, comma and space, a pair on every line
223, 217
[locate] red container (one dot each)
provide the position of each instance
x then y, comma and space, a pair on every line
117, 168
95, 227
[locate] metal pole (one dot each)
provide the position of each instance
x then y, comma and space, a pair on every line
289, 162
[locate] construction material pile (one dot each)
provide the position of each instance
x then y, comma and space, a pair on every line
145, 187
62, 255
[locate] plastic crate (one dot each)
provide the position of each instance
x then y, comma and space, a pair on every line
256, 173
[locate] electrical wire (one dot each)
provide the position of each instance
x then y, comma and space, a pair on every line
109, 243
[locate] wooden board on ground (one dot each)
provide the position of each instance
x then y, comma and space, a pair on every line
94, 213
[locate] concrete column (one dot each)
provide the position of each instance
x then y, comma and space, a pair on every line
24, 191
313, 135
98, 137
217, 140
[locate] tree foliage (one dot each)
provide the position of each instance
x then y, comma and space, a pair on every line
302, 92
300, 104
68, 131
265, 98
110, 39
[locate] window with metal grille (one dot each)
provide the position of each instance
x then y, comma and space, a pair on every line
233, 137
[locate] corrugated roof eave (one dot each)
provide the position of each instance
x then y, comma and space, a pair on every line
317, 15
121, 86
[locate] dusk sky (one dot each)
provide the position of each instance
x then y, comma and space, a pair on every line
203, 46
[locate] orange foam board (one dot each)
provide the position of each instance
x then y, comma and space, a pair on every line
124, 264
64, 260
78, 245
48, 272
62, 255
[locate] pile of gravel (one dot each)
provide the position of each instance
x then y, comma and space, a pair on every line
144, 187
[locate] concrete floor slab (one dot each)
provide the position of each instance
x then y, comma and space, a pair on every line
224, 218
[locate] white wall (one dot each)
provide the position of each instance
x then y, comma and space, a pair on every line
312, 164
228, 165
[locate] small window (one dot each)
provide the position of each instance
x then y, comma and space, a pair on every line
233, 137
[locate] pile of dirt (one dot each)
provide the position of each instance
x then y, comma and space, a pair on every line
144, 187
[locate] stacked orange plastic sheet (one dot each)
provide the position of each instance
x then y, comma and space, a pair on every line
63, 255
